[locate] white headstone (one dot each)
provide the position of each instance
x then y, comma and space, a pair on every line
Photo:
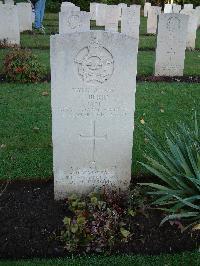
93, 102
146, 8
176, 8
198, 13
192, 27
171, 45
168, 8
121, 6
131, 21
9, 2
74, 21
188, 6
25, 16
101, 14
111, 18
93, 7
9, 25
152, 20
67, 6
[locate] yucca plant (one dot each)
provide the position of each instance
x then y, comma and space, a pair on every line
177, 166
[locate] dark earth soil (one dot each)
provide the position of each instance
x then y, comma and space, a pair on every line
187, 79
30, 219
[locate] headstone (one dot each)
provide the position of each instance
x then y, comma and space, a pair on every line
9, 2
198, 13
9, 25
93, 7
168, 8
93, 102
74, 21
68, 6
152, 20
188, 6
176, 8
171, 45
131, 21
192, 27
146, 8
101, 14
111, 18
25, 16
121, 6
1, 3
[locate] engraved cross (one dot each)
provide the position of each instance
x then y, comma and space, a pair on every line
94, 137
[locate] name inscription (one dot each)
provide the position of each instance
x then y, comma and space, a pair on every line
94, 102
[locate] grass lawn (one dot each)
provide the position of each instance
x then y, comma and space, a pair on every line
25, 135
146, 61
184, 259
26, 123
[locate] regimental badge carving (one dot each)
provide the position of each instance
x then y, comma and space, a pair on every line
74, 22
95, 63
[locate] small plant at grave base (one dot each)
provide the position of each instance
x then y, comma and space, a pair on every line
178, 170
98, 222
22, 66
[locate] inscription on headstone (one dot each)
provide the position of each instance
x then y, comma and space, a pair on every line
92, 110
74, 21
171, 45
131, 21
176, 8
152, 20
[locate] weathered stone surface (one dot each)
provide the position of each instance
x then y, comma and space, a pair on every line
131, 21
152, 20
198, 13
171, 45
176, 8
146, 8
9, 25
25, 16
112, 18
121, 6
67, 6
74, 21
93, 8
93, 102
9, 2
188, 6
168, 8
101, 14
192, 27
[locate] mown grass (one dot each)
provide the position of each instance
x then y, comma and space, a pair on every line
146, 61
147, 42
25, 123
184, 259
